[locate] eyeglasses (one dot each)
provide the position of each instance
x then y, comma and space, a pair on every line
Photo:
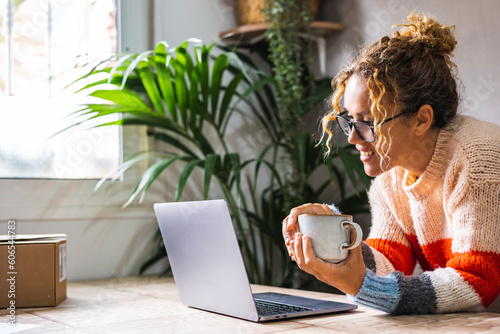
365, 130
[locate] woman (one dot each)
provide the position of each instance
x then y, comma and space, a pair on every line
434, 244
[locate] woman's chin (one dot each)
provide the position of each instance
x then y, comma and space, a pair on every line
372, 170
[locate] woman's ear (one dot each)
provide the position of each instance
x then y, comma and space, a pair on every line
424, 119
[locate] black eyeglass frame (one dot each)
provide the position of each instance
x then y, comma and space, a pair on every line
370, 125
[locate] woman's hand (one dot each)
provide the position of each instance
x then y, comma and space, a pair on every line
291, 222
346, 276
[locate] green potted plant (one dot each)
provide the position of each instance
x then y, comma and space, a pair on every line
295, 91
184, 94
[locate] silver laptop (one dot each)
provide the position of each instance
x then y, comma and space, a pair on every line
208, 267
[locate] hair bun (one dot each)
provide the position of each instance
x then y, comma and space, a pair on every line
422, 29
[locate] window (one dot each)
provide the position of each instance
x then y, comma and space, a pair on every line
45, 44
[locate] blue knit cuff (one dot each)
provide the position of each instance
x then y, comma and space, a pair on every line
397, 293
378, 292
334, 209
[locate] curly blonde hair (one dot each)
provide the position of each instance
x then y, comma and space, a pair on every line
411, 69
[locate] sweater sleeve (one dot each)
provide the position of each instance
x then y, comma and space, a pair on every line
469, 277
472, 274
389, 248
389, 260
469, 281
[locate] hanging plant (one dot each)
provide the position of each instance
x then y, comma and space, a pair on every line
291, 58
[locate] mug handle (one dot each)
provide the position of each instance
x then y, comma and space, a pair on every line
358, 235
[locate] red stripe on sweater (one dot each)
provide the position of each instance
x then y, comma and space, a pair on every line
401, 256
419, 252
433, 255
481, 270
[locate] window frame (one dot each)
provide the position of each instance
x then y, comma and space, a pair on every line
75, 199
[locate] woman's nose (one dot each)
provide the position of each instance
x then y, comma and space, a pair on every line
353, 137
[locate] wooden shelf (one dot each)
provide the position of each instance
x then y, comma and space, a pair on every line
253, 33
249, 32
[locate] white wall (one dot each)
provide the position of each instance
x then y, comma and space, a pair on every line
176, 21
476, 27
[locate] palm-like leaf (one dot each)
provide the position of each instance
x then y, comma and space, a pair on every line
188, 97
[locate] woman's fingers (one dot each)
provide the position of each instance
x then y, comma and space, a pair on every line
290, 225
304, 254
347, 275
309, 254
288, 237
314, 264
297, 249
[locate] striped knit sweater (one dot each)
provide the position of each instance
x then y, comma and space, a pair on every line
434, 244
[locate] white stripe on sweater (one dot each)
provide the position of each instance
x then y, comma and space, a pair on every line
452, 292
383, 266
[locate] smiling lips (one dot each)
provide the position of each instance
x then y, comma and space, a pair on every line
366, 155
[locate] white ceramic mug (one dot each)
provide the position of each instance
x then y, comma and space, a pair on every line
331, 235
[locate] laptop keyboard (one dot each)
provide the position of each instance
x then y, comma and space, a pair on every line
265, 308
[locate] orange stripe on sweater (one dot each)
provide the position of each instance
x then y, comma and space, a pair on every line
481, 270
433, 255
401, 256
419, 252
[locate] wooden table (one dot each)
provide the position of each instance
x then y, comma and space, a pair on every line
151, 305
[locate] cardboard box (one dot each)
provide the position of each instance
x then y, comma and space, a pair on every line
33, 270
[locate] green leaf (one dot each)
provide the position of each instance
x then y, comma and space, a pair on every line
174, 142
133, 81
184, 59
133, 66
148, 178
234, 159
186, 172
355, 203
147, 121
149, 82
219, 66
204, 74
181, 94
210, 163
302, 142
349, 164
129, 162
121, 97
161, 48
194, 106
121, 60
153, 172
335, 175
165, 80
261, 158
203, 143
152, 260
265, 112
228, 96
235, 59
358, 166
